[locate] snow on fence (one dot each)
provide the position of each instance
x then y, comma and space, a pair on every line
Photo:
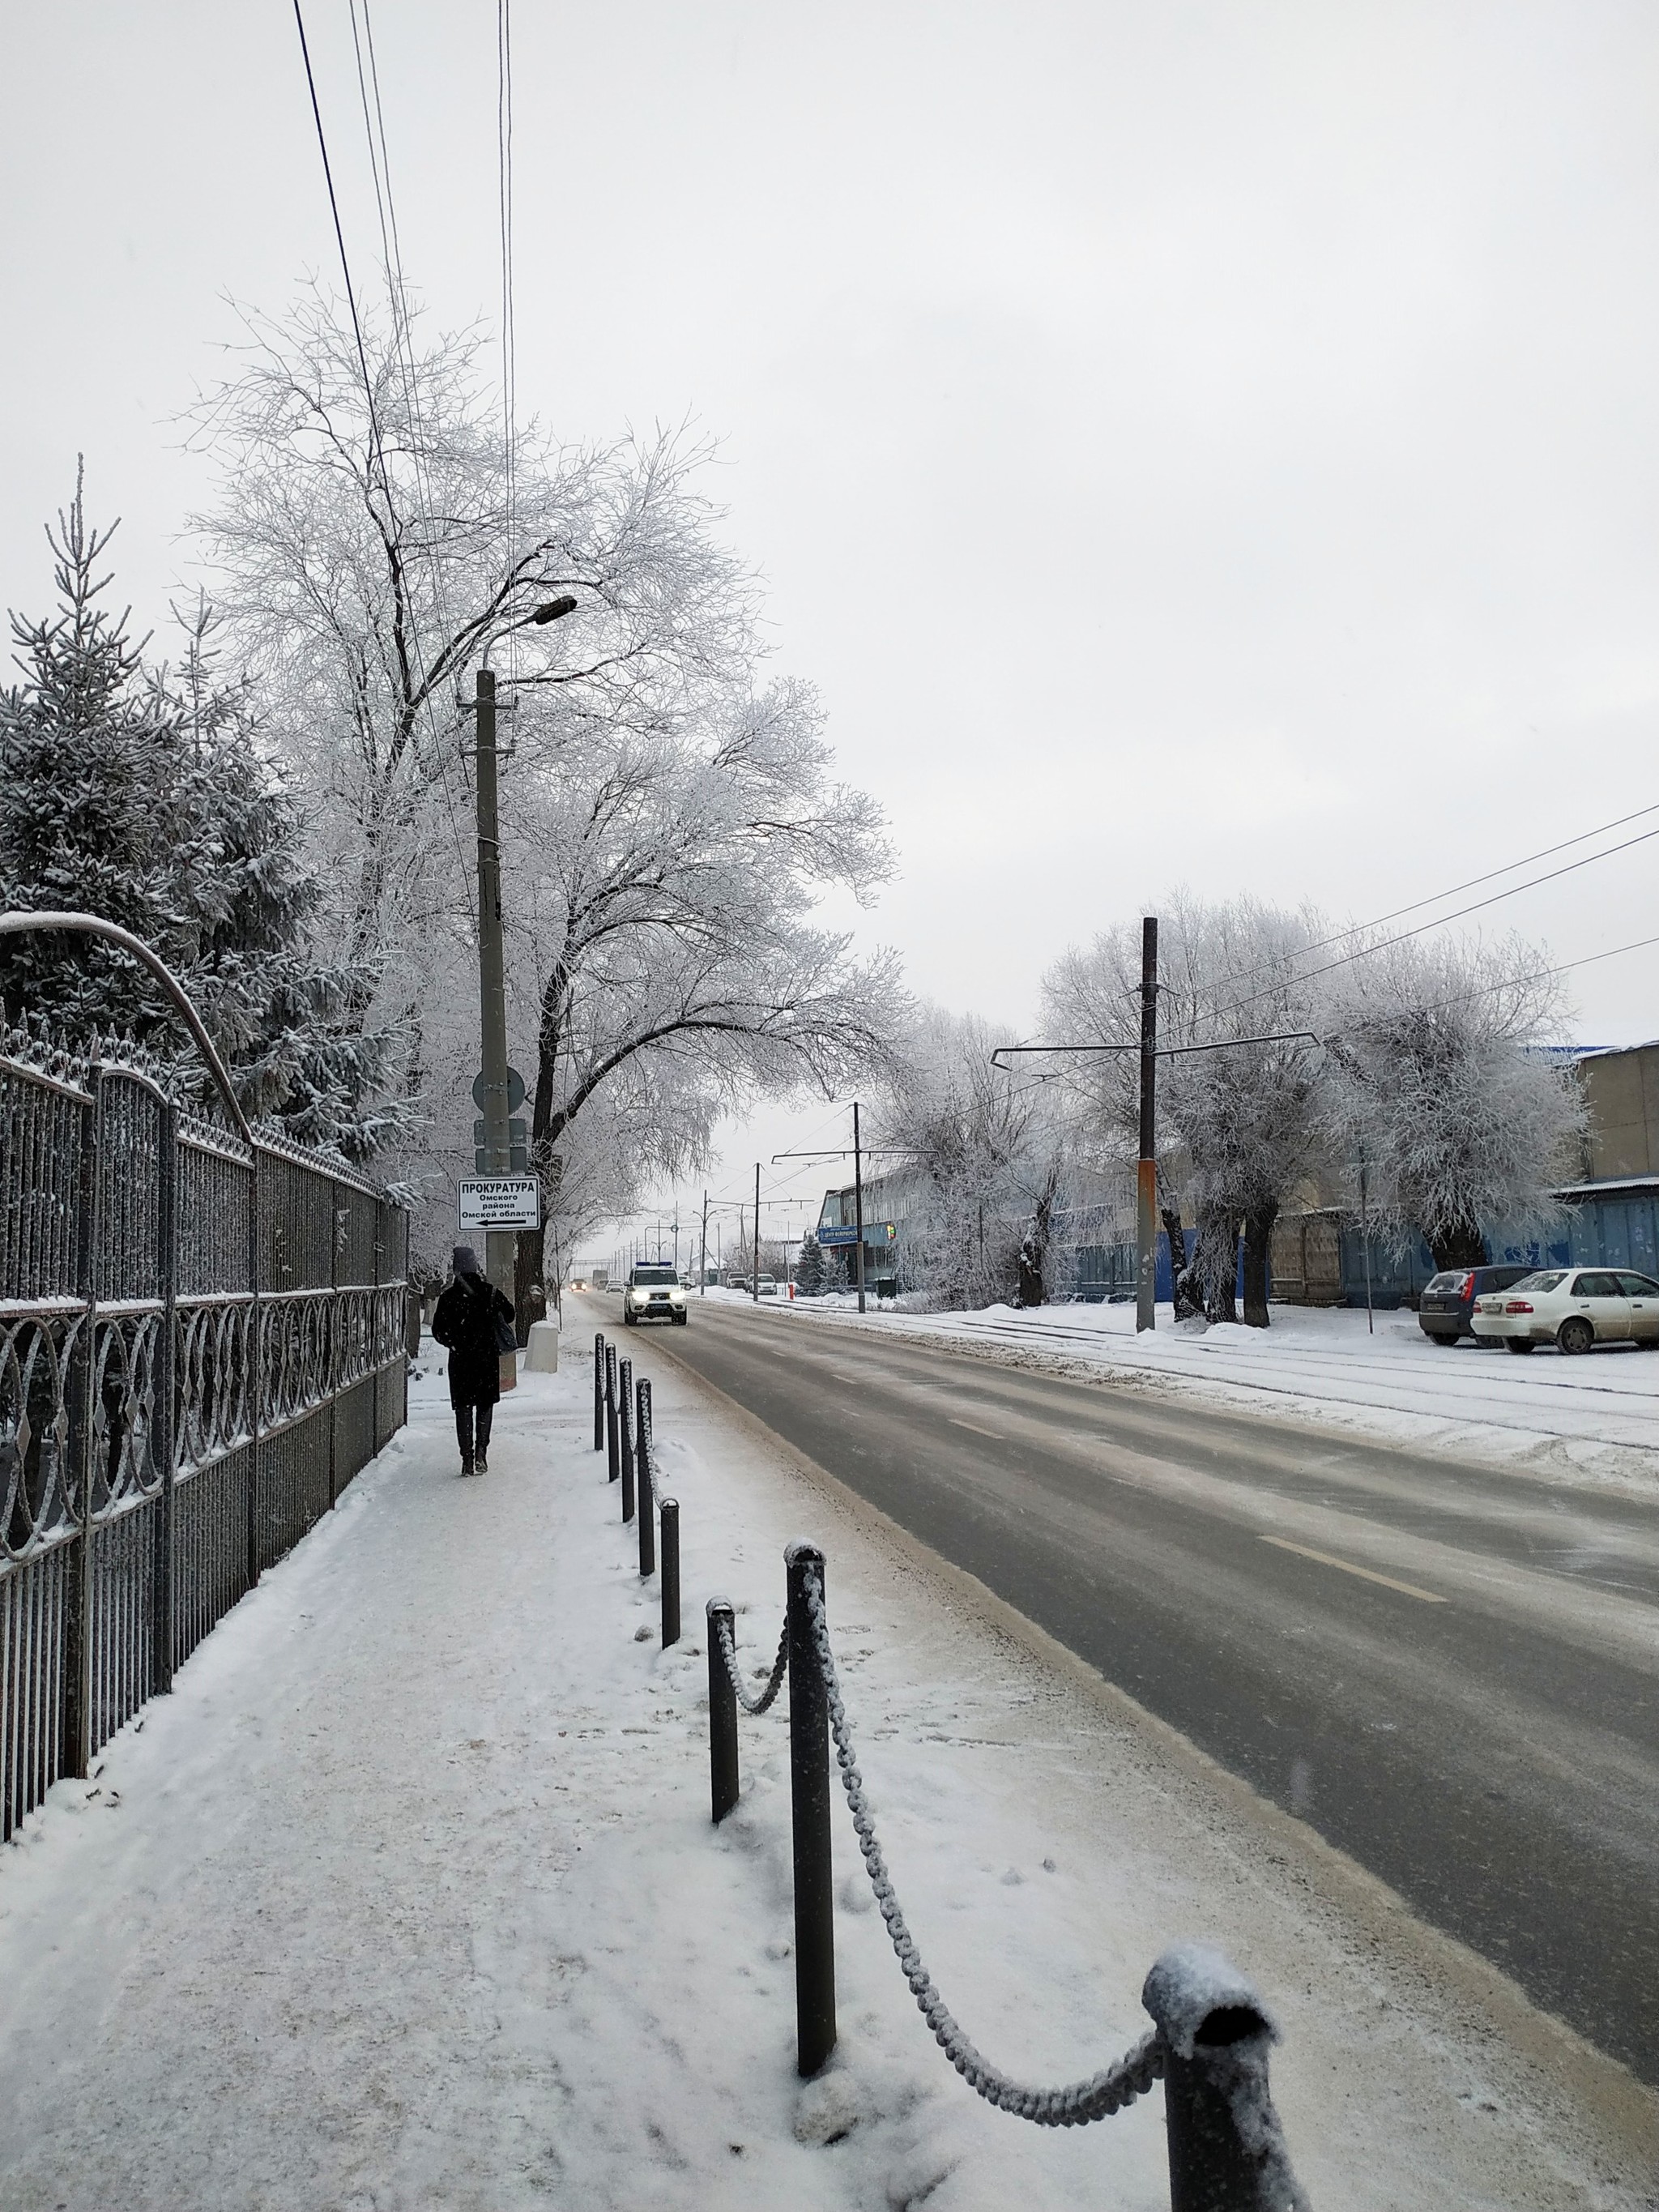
202, 1340
1210, 2034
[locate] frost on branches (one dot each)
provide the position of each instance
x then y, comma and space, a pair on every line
139, 793
1236, 1126
980, 1168
670, 817
1418, 1059
1437, 1081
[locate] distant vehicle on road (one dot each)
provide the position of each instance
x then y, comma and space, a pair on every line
1573, 1307
654, 1293
767, 1286
1445, 1310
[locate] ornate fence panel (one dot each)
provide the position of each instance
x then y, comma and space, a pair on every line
201, 1343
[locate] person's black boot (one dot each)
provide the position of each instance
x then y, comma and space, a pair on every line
482, 1464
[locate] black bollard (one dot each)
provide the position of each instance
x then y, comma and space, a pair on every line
599, 1389
671, 1570
722, 1716
625, 1434
1226, 2150
613, 1458
643, 1461
809, 1792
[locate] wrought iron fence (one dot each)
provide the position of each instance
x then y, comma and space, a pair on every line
201, 1343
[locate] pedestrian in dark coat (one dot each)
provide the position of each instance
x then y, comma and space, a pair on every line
467, 1319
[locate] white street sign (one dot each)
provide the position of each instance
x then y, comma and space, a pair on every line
500, 1202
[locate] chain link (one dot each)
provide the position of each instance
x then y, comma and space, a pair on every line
775, 1683
1068, 2107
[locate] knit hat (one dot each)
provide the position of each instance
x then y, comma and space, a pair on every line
464, 1261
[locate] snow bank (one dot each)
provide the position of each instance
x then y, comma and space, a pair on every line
409, 1897
1589, 1418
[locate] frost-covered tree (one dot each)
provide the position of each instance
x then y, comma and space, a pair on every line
142, 794
669, 818
982, 1159
373, 547
1238, 1121
1460, 1120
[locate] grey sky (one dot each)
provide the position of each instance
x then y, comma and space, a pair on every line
1188, 443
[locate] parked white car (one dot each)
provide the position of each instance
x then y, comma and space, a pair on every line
1574, 1308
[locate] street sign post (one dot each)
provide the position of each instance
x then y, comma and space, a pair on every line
500, 1202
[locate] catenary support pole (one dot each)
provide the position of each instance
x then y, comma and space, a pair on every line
809, 1807
1227, 2150
722, 1714
599, 1390
754, 1271
612, 1441
646, 1476
1146, 1169
858, 1200
702, 1283
671, 1571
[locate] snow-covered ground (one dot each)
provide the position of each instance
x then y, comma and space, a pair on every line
1595, 1415
408, 1895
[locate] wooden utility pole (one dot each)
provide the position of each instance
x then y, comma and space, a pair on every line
703, 1286
1146, 1169
754, 1269
501, 1245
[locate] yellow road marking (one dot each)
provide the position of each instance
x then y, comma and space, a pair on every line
1365, 1574
977, 1429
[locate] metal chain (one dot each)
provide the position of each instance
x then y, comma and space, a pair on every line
1069, 2107
764, 1703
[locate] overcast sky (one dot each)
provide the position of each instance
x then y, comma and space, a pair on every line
1188, 444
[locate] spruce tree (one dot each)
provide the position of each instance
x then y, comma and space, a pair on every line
144, 797
809, 1267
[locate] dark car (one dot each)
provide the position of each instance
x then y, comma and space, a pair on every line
1443, 1310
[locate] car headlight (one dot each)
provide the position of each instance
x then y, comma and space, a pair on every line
677, 1297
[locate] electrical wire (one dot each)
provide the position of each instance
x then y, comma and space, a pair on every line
1476, 906
376, 447
379, 164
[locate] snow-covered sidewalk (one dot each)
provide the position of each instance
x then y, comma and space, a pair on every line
1593, 1416
408, 1895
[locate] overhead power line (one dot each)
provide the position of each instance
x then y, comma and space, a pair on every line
1476, 906
379, 163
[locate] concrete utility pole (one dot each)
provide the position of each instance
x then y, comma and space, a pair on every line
501, 1245
857, 1198
1147, 1171
754, 1286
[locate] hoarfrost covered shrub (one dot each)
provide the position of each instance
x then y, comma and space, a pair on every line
1459, 1120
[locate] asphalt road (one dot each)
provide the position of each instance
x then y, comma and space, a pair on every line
1451, 1673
